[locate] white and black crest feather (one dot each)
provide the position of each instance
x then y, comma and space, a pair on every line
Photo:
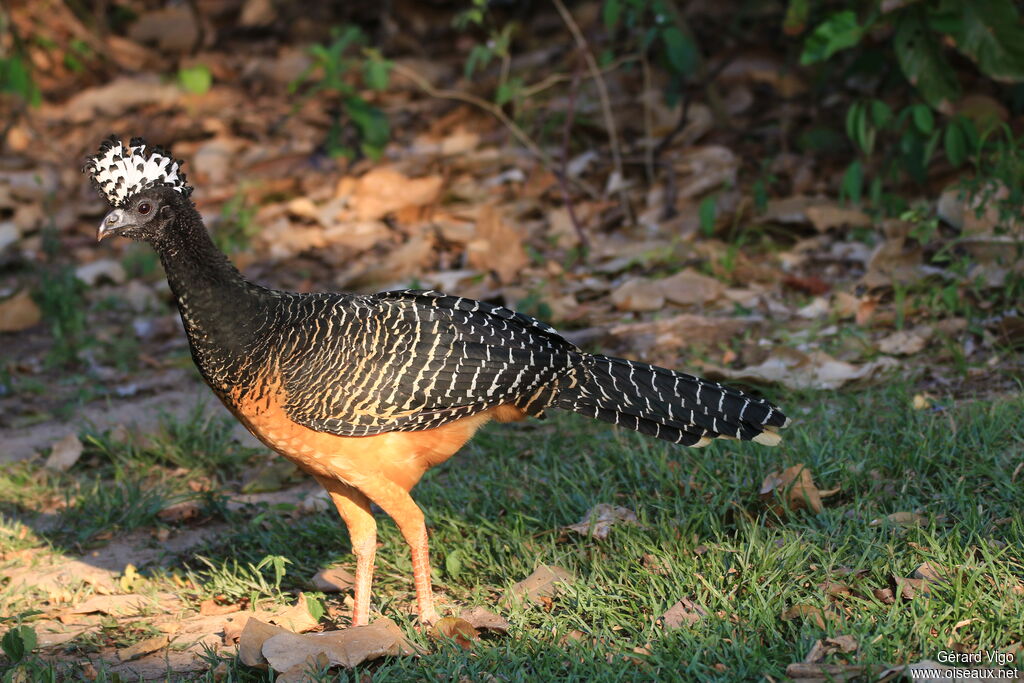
120, 172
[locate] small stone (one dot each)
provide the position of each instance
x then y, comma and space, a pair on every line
108, 269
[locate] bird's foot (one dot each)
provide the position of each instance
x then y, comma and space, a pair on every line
427, 619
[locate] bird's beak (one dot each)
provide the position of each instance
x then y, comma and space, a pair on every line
112, 223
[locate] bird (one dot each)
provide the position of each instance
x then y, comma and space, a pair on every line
365, 393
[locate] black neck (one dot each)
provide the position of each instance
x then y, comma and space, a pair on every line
218, 307
192, 261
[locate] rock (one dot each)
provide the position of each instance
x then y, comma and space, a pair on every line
638, 294
109, 269
65, 453
139, 296
9, 234
689, 287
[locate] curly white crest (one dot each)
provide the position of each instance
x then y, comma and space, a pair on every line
120, 172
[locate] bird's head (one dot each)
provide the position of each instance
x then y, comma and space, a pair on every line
144, 186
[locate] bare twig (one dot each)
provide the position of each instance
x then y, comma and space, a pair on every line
552, 80
606, 105
648, 123
563, 183
494, 110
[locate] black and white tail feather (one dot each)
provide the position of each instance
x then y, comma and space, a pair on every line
668, 405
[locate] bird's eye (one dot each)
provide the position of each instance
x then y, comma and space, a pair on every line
144, 208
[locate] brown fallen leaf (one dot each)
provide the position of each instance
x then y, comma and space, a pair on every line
809, 612
929, 571
459, 630
116, 605
347, 648
656, 565
812, 285
638, 294
385, 190
827, 646
64, 453
903, 343
901, 519
250, 643
180, 512
296, 618
19, 312
911, 588
212, 608
544, 582
826, 216
600, 519
884, 595
798, 486
333, 580
798, 370
684, 613
677, 332
142, 648
483, 619
498, 246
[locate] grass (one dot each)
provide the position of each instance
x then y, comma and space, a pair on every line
499, 508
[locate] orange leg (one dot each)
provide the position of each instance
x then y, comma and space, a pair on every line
399, 505
354, 509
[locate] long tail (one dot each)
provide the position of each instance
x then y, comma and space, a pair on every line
667, 404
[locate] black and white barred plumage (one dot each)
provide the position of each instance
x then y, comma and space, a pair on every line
410, 360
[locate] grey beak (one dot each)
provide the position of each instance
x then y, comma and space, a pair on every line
112, 222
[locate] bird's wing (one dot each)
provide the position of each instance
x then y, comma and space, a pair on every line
411, 360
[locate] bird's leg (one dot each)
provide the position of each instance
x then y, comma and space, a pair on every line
399, 505
354, 508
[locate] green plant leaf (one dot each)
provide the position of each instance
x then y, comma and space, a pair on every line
881, 114
16, 78
195, 79
479, 57
838, 32
315, 606
921, 59
680, 50
376, 71
453, 563
853, 182
374, 130
611, 13
18, 642
923, 118
990, 33
955, 143
708, 211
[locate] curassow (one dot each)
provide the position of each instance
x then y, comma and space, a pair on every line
366, 393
